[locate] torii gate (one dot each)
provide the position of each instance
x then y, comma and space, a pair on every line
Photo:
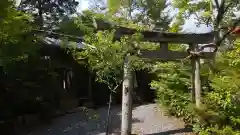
164, 54
195, 52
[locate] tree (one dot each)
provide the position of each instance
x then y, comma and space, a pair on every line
17, 44
15, 33
49, 13
4, 7
127, 10
217, 14
150, 13
217, 114
106, 60
105, 56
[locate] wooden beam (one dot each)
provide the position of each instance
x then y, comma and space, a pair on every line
153, 36
170, 55
156, 36
150, 36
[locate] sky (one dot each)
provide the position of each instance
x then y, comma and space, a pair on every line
189, 27
83, 4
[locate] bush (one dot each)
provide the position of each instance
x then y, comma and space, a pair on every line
220, 109
172, 88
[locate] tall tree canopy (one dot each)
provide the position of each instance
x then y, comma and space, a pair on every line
219, 14
15, 39
150, 13
48, 13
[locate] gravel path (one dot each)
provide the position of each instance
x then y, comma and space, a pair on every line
147, 120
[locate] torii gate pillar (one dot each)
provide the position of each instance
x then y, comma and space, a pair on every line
196, 80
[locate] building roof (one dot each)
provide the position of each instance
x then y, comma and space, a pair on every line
58, 42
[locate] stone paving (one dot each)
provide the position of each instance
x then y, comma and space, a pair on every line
148, 119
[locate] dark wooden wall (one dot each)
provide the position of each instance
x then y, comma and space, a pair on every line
100, 92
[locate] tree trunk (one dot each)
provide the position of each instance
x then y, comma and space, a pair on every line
40, 20
126, 126
109, 113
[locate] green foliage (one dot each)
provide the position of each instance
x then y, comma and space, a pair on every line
114, 5
22, 89
172, 87
105, 58
220, 109
16, 42
79, 25
149, 13
29, 87
4, 8
104, 55
49, 13
219, 113
206, 12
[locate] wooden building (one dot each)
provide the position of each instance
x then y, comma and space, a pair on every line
77, 80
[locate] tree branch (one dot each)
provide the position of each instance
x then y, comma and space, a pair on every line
227, 7
221, 12
229, 32
208, 21
217, 4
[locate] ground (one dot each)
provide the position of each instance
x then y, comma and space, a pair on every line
148, 119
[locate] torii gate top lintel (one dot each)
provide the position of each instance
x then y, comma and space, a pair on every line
164, 38
159, 37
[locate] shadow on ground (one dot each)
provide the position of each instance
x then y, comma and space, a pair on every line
83, 122
171, 132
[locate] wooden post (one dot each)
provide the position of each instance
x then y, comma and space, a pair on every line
126, 125
196, 80
164, 47
192, 47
